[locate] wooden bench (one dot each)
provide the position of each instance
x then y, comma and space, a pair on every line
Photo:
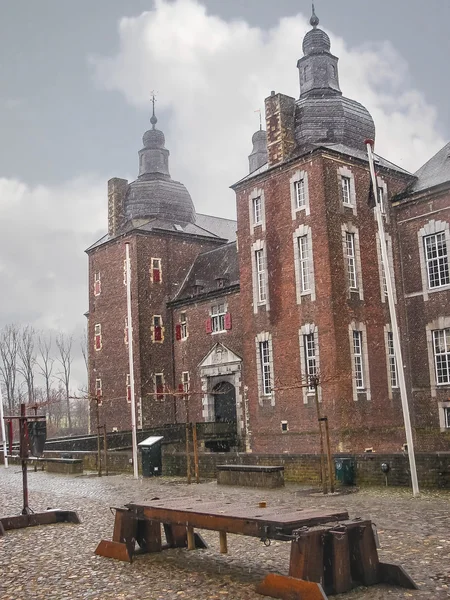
251, 475
329, 552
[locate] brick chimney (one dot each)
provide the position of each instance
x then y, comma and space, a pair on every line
117, 189
280, 110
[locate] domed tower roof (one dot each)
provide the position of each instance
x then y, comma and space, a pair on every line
155, 194
258, 156
323, 115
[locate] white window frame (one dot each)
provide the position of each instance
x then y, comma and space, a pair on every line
346, 173
350, 258
382, 187
98, 332
303, 231
307, 330
185, 380
183, 326
217, 313
152, 261
348, 228
97, 280
357, 390
439, 241
257, 193
430, 228
266, 339
391, 361
440, 323
294, 180
444, 415
155, 384
99, 388
444, 336
259, 278
257, 211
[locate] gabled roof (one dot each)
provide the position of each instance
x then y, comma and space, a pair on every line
205, 226
434, 172
209, 267
355, 152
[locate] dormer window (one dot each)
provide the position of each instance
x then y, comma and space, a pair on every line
221, 282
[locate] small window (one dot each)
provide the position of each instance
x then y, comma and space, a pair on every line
159, 386
125, 331
158, 329
128, 386
218, 313
155, 272
284, 426
304, 262
346, 190
358, 359
264, 355
446, 410
381, 200
98, 337
97, 284
98, 388
300, 196
125, 272
351, 260
436, 255
392, 361
309, 345
261, 275
185, 381
257, 211
441, 348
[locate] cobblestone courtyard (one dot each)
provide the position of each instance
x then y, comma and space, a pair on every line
57, 562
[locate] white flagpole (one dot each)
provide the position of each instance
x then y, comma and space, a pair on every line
131, 364
394, 324
5, 452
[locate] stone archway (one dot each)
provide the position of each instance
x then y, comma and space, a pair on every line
224, 394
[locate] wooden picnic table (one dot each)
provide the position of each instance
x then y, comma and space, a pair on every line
329, 552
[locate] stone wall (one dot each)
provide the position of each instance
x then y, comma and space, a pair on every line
433, 468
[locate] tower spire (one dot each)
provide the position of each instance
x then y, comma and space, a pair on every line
153, 119
314, 20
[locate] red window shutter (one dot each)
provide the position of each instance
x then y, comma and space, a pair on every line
180, 387
98, 342
227, 320
158, 334
209, 325
156, 276
97, 288
128, 393
178, 332
160, 392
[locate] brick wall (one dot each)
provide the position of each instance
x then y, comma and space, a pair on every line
433, 468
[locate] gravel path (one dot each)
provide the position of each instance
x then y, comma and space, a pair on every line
57, 562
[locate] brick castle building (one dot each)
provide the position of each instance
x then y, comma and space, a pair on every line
245, 325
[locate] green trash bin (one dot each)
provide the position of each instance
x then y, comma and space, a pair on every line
345, 470
151, 456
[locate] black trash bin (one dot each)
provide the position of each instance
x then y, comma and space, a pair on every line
151, 449
37, 435
345, 470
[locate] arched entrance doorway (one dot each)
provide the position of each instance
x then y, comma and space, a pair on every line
224, 402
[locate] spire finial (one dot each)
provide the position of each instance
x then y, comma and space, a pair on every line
314, 20
153, 119
260, 118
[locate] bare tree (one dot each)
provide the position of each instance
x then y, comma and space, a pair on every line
45, 362
9, 340
64, 345
84, 351
27, 359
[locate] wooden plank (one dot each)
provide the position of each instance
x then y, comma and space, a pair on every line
190, 538
340, 562
223, 542
149, 535
396, 575
289, 588
306, 560
115, 550
364, 563
176, 535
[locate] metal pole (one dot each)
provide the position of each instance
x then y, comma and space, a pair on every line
330, 464
394, 324
131, 364
188, 456
105, 448
5, 451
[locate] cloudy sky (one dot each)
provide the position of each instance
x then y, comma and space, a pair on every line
74, 103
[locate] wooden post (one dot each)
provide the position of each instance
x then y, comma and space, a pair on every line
315, 382
223, 542
99, 451
195, 444
330, 463
188, 457
105, 448
190, 538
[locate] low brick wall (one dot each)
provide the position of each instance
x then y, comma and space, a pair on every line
433, 469
250, 476
68, 466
